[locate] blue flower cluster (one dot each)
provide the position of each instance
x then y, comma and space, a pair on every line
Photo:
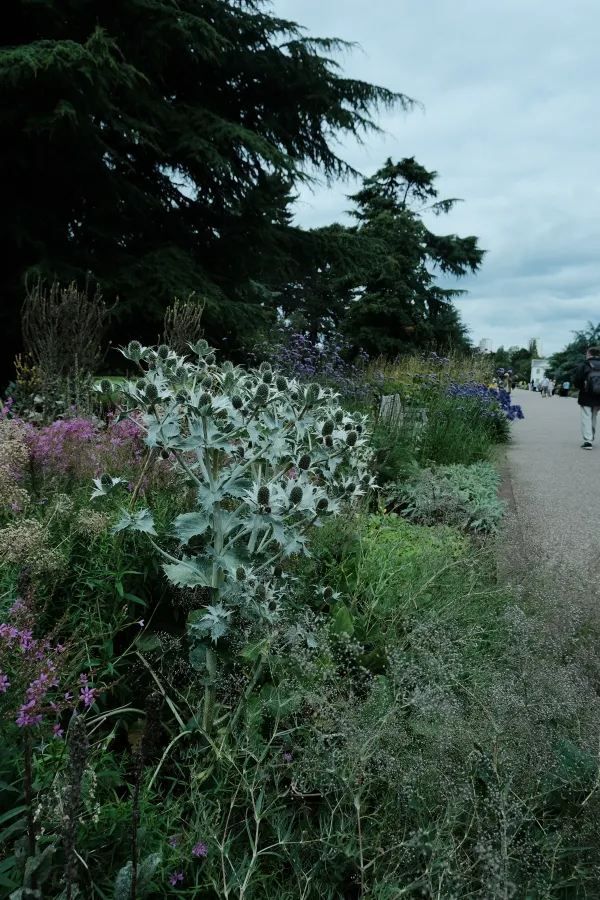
323, 360
496, 403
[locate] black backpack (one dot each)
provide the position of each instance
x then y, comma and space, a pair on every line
591, 381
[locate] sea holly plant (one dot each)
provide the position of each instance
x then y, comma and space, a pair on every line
265, 459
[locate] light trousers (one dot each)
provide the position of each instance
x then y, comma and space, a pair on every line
589, 414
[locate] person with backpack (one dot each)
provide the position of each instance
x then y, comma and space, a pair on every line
587, 379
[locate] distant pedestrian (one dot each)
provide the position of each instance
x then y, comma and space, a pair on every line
544, 386
566, 387
551, 387
587, 379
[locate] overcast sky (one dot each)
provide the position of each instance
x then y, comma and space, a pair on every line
511, 95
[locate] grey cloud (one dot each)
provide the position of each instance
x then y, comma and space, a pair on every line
510, 123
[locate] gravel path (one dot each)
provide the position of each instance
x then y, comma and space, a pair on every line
556, 489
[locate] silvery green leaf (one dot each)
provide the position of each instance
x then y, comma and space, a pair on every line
189, 572
101, 490
208, 496
147, 870
123, 882
189, 525
162, 434
139, 521
227, 561
214, 621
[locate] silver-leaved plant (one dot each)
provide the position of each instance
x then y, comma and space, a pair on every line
268, 459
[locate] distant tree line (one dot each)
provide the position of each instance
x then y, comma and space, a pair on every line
517, 359
563, 364
156, 150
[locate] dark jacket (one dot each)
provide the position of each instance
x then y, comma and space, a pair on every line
579, 377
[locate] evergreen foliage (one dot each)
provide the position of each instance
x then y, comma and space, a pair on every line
378, 281
564, 363
155, 146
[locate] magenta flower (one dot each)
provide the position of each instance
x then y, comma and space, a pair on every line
174, 841
175, 878
200, 849
4, 683
57, 731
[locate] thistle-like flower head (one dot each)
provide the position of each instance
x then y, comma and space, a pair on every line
296, 495
134, 350
261, 394
151, 393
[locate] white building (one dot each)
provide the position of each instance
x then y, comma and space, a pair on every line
538, 369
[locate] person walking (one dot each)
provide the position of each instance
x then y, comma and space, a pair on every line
587, 379
544, 386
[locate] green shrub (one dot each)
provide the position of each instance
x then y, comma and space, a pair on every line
465, 496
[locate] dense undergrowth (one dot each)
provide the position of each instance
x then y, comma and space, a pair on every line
204, 693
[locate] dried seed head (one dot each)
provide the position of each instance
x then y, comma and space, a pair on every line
240, 574
359, 429
163, 351
327, 428
106, 480
267, 376
180, 372
327, 593
351, 438
329, 441
261, 592
277, 572
134, 350
264, 367
262, 394
304, 462
210, 359
227, 366
236, 401
204, 399
322, 504
339, 416
140, 385
207, 382
281, 383
263, 495
296, 495
164, 454
106, 386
